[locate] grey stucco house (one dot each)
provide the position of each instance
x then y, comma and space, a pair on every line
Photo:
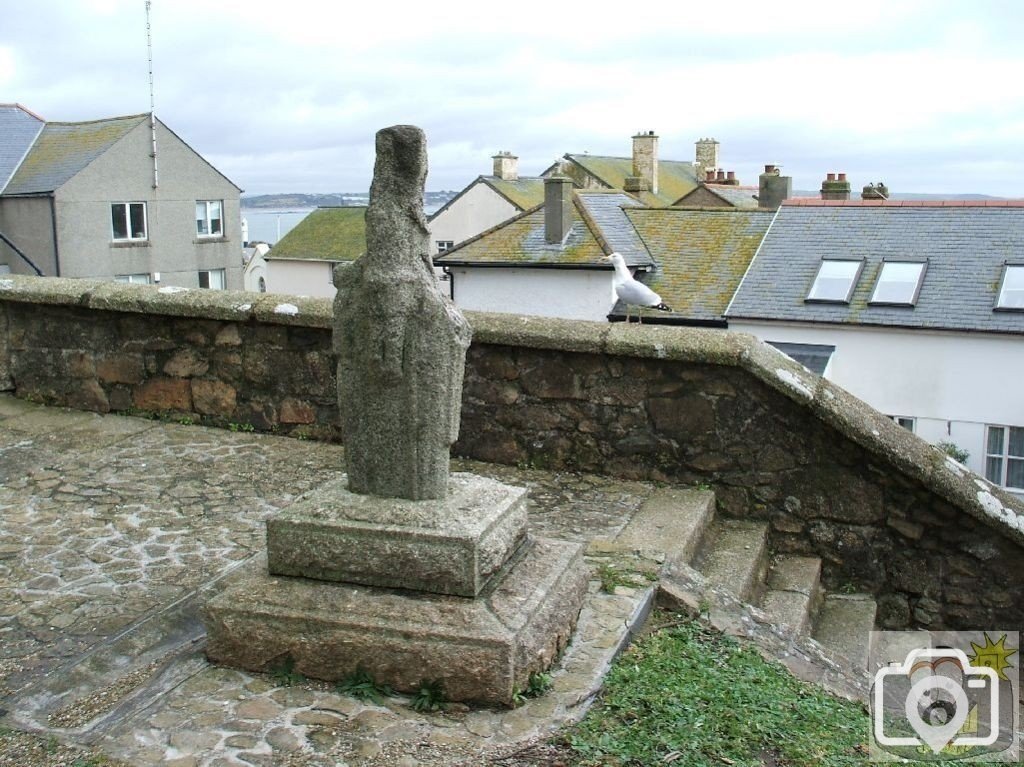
88, 199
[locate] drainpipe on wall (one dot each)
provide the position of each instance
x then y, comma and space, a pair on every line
16, 249
56, 247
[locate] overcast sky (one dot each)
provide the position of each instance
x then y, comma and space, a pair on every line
286, 96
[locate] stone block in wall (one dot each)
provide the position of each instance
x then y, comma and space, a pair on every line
121, 368
213, 397
296, 411
163, 394
186, 363
87, 394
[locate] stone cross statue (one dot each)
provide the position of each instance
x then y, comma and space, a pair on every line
401, 344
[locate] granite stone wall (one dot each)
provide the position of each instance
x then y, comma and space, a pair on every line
886, 512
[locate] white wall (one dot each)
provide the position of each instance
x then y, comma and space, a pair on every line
576, 294
952, 383
300, 278
476, 211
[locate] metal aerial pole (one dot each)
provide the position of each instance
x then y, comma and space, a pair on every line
152, 96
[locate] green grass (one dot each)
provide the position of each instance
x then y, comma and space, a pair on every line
687, 695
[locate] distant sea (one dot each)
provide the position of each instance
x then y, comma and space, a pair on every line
271, 225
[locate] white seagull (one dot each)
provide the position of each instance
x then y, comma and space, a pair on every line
631, 292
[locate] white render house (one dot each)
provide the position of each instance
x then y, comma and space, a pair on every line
915, 307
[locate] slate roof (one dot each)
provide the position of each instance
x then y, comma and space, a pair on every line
737, 196
701, 254
18, 129
326, 234
520, 242
965, 243
64, 149
675, 178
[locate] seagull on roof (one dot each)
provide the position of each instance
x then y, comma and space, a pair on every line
630, 291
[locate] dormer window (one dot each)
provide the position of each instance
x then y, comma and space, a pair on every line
1011, 292
899, 283
835, 281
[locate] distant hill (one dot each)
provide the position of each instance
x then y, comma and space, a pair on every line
294, 200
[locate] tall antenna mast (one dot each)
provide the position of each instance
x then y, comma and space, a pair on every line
152, 96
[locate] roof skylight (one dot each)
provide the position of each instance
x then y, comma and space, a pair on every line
835, 281
1011, 292
898, 283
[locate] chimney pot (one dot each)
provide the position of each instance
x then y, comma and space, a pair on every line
842, 177
769, 169
709, 176
830, 177
731, 175
720, 176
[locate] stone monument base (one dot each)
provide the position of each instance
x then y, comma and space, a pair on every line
447, 546
482, 650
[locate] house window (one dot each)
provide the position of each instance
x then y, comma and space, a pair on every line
905, 421
1004, 456
1011, 292
128, 220
443, 246
835, 281
212, 278
899, 283
135, 279
209, 218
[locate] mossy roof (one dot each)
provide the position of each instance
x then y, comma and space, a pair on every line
326, 234
701, 254
521, 242
62, 150
675, 178
524, 193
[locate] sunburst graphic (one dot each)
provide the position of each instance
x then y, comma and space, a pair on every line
993, 655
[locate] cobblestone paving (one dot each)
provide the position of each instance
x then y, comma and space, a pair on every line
107, 521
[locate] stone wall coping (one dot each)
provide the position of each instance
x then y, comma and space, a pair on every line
198, 303
850, 416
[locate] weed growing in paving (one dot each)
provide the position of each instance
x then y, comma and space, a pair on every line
359, 684
538, 684
284, 673
687, 693
430, 696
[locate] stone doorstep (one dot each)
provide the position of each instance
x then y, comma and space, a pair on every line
483, 650
450, 546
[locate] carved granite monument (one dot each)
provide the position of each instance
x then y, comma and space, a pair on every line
402, 569
401, 344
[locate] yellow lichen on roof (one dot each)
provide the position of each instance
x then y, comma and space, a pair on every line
521, 242
525, 193
675, 178
702, 254
64, 149
328, 234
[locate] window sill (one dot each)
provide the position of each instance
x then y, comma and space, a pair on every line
130, 244
209, 240
892, 304
836, 301
1009, 309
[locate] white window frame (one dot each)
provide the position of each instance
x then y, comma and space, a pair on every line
207, 220
127, 207
816, 286
142, 278
1011, 289
911, 300
222, 273
443, 246
908, 422
999, 473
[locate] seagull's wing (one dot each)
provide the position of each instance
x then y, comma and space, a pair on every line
637, 294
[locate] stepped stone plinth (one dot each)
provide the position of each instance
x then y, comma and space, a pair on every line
398, 568
446, 546
483, 650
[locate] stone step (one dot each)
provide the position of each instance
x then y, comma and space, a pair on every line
844, 626
794, 592
736, 557
671, 521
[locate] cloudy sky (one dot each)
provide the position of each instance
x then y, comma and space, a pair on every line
286, 96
